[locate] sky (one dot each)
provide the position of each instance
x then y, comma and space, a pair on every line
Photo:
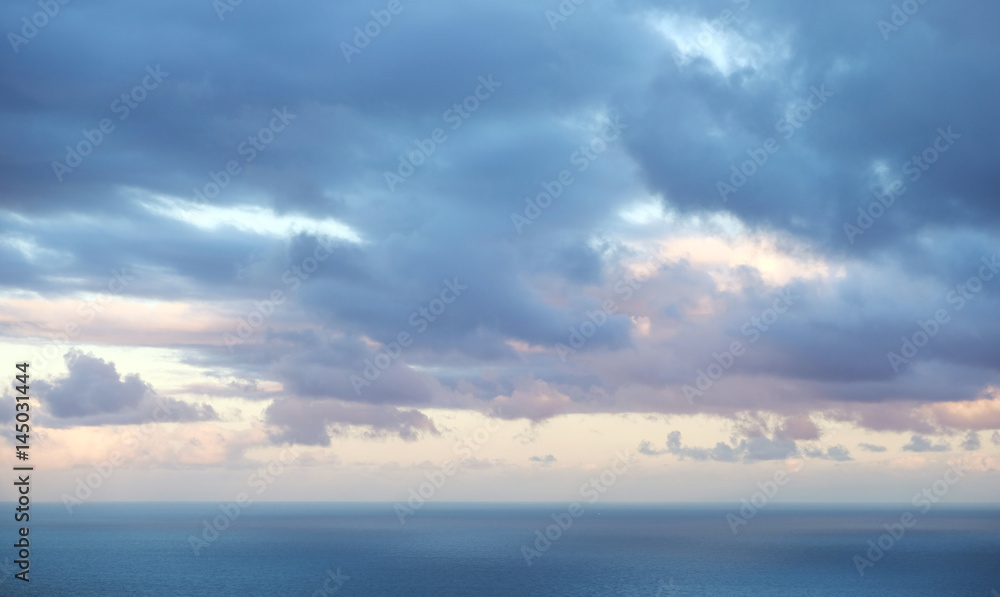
354, 245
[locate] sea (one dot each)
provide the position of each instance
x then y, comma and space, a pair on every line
485, 550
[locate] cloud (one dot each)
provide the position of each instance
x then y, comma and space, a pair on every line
871, 447
921, 444
971, 441
94, 393
763, 448
995, 438
547, 459
747, 450
534, 400
838, 453
799, 427
313, 422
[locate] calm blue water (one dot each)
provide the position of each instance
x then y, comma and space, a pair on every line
286, 549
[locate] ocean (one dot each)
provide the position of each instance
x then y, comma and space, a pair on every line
310, 549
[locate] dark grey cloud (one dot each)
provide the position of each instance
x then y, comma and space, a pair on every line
838, 453
798, 187
764, 448
314, 422
799, 427
750, 449
919, 443
971, 442
547, 459
94, 393
871, 447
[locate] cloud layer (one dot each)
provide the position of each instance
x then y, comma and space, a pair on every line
704, 230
